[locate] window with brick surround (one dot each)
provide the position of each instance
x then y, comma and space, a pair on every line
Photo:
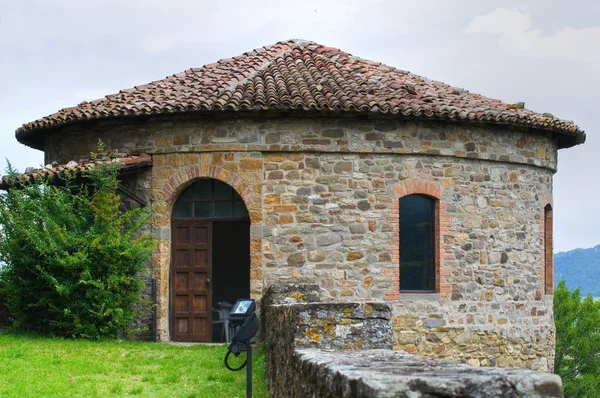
418, 243
548, 256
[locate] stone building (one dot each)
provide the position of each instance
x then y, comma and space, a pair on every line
301, 163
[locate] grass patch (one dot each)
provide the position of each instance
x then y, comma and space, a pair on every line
39, 367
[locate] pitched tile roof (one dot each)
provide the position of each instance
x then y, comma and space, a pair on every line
303, 76
126, 163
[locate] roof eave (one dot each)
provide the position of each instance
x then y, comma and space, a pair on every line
34, 137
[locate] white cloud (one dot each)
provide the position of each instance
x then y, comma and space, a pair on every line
501, 21
516, 37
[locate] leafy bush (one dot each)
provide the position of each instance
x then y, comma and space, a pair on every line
74, 260
577, 341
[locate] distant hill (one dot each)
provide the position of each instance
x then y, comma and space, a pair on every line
580, 268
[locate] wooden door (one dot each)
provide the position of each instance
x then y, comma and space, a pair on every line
191, 288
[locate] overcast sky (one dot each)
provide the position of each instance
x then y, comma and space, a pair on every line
546, 53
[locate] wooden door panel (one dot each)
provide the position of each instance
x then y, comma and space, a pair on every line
191, 290
182, 235
200, 326
200, 258
200, 236
182, 304
182, 281
183, 326
182, 258
200, 304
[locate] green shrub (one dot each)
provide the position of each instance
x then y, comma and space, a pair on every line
74, 259
577, 359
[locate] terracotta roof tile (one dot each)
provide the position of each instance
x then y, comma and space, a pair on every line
302, 75
52, 170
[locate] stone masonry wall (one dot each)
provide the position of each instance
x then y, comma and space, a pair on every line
323, 201
341, 231
231, 132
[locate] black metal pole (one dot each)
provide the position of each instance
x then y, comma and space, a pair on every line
249, 372
154, 317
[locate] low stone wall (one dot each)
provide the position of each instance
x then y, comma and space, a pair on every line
324, 349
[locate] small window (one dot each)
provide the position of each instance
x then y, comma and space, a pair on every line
209, 198
548, 255
417, 243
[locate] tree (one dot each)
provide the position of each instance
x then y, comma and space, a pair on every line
74, 259
577, 341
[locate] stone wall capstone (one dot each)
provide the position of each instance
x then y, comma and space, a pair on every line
394, 374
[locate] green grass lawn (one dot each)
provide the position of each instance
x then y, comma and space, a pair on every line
44, 367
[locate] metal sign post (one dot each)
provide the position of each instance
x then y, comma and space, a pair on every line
249, 372
244, 313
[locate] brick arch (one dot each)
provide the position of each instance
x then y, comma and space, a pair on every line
419, 187
181, 179
443, 221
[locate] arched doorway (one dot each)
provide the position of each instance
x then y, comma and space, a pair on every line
210, 262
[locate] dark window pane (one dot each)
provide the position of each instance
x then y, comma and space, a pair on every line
202, 190
183, 209
186, 195
222, 209
239, 209
236, 196
223, 191
209, 198
417, 243
202, 209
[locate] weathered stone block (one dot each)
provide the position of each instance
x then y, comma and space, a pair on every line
250, 164
317, 256
432, 323
343, 167
358, 228
296, 260
272, 138
385, 126
328, 239
354, 255
333, 133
